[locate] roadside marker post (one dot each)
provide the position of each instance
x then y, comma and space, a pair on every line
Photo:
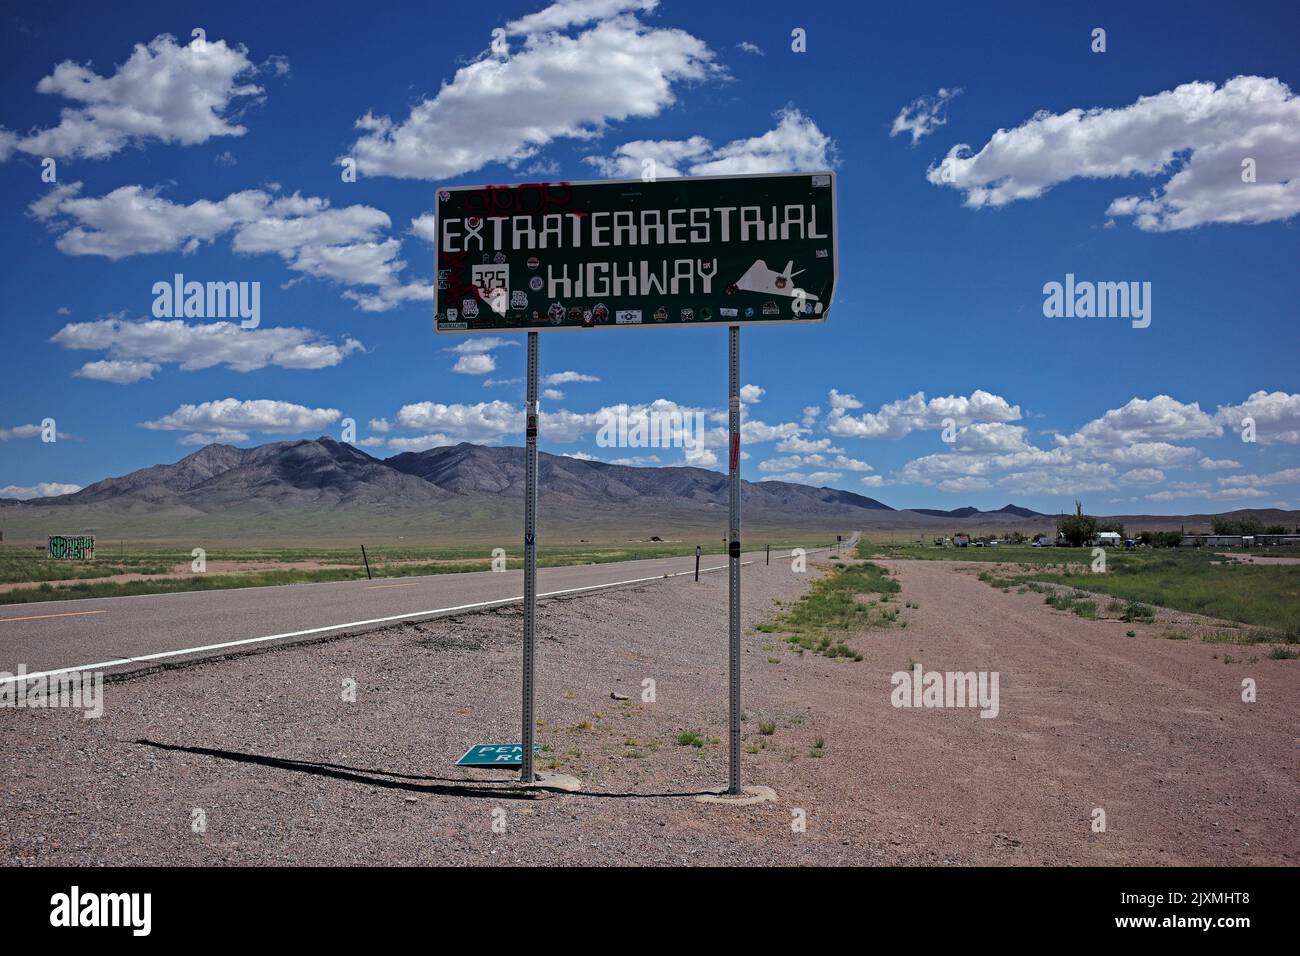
760, 249
733, 552
367, 560
530, 563
768, 554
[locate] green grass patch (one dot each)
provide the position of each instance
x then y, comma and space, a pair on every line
819, 621
1261, 595
1002, 554
1136, 611
1190, 579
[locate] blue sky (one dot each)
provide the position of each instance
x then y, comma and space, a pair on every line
936, 381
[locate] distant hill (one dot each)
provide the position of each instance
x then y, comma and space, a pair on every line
289, 475
968, 512
321, 488
477, 469
324, 487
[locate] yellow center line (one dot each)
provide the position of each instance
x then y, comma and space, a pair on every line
41, 617
373, 587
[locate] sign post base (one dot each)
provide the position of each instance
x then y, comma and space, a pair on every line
554, 782
748, 797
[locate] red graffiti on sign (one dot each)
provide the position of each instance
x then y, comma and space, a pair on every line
456, 265
497, 202
526, 199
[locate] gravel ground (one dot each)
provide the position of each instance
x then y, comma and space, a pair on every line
285, 771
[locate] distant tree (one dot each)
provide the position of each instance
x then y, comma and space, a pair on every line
1275, 529
1248, 525
1077, 529
1160, 539
1111, 524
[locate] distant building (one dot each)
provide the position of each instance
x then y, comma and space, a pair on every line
1211, 541
1239, 540
1277, 540
1109, 539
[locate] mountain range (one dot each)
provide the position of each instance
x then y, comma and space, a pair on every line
322, 487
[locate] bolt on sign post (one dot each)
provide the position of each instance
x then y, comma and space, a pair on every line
624, 254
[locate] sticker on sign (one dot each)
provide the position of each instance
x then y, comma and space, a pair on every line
734, 250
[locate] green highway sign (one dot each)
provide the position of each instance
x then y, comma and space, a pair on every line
706, 250
494, 755
73, 547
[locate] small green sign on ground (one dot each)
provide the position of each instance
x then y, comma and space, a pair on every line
494, 755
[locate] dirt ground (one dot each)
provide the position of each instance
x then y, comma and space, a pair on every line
283, 770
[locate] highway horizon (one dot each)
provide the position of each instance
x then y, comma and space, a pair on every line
118, 634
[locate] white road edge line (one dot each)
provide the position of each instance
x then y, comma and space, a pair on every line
338, 627
312, 584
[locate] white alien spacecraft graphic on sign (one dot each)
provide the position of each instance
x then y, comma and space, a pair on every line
760, 278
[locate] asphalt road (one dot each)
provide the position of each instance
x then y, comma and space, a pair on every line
124, 633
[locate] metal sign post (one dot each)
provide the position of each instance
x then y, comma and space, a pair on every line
733, 552
530, 562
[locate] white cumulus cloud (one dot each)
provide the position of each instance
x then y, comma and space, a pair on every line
163, 92
1196, 136
43, 489
923, 115
230, 417
1276, 416
475, 363
137, 349
347, 245
902, 417
508, 104
795, 144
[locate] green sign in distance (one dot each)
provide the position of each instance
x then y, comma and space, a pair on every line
77, 547
728, 250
